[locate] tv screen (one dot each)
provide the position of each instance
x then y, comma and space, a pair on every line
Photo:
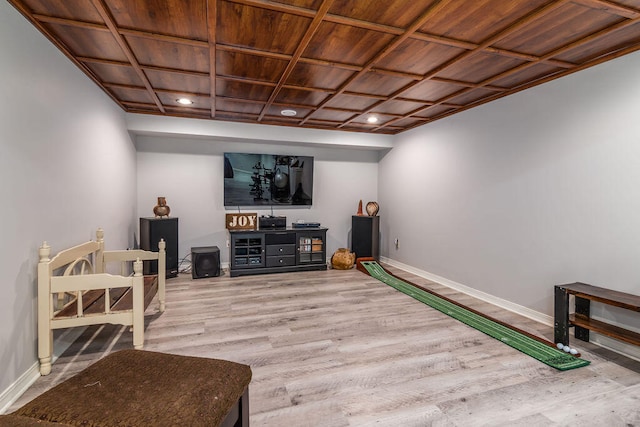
267, 179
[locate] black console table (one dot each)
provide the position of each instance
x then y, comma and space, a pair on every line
277, 251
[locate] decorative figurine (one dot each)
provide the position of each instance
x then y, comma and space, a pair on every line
161, 209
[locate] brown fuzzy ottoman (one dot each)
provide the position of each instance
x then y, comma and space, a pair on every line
143, 388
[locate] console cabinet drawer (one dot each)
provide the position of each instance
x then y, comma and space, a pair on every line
273, 250
280, 261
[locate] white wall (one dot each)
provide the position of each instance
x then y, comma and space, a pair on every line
67, 166
189, 173
536, 189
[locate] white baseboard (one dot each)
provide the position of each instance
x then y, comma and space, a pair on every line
626, 350
15, 390
491, 299
26, 380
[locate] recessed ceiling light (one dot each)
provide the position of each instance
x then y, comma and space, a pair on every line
184, 101
372, 119
288, 113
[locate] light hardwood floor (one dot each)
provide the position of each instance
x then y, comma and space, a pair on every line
339, 348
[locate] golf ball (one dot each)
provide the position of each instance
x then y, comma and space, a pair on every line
560, 346
566, 349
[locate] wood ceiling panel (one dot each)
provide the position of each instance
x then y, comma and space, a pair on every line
351, 102
231, 105
477, 20
253, 67
532, 73
274, 110
334, 61
188, 112
342, 43
337, 116
258, 28
116, 74
181, 18
378, 84
418, 57
289, 96
240, 90
479, 67
305, 4
434, 111
382, 119
398, 13
132, 94
628, 36
88, 42
318, 76
409, 122
169, 99
569, 23
160, 53
397, 107
80, 10
178, 81
471, 96
431, 91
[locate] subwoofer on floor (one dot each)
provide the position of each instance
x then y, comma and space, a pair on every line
205, 262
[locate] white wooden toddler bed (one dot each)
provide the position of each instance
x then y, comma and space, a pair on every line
74, 289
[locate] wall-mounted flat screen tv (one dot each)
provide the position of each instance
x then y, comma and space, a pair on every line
267, 179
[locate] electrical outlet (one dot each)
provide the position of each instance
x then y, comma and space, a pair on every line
228, 243
397, 243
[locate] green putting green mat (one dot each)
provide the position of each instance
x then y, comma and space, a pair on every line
538, 350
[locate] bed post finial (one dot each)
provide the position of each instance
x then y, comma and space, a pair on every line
100, 234
44, 252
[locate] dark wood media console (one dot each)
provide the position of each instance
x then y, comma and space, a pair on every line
582, 320
277, 250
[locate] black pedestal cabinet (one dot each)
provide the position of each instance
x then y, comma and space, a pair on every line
365, 236
151, 231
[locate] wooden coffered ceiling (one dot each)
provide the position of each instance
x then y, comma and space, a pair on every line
334, 62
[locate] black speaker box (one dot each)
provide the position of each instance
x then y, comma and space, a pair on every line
151, 231
205, 262
365, 236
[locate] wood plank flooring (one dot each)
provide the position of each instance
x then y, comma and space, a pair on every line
339, 348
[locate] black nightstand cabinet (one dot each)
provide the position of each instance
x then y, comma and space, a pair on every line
151, 231
277, 251
365, 236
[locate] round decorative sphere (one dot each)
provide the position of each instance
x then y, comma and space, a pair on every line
372, 208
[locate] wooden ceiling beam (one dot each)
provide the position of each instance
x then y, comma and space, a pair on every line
311, 30
536, 14
611, 7
212, 20
109, 21
417, 23
529, 84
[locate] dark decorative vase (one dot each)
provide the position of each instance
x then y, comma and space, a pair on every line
161, 209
